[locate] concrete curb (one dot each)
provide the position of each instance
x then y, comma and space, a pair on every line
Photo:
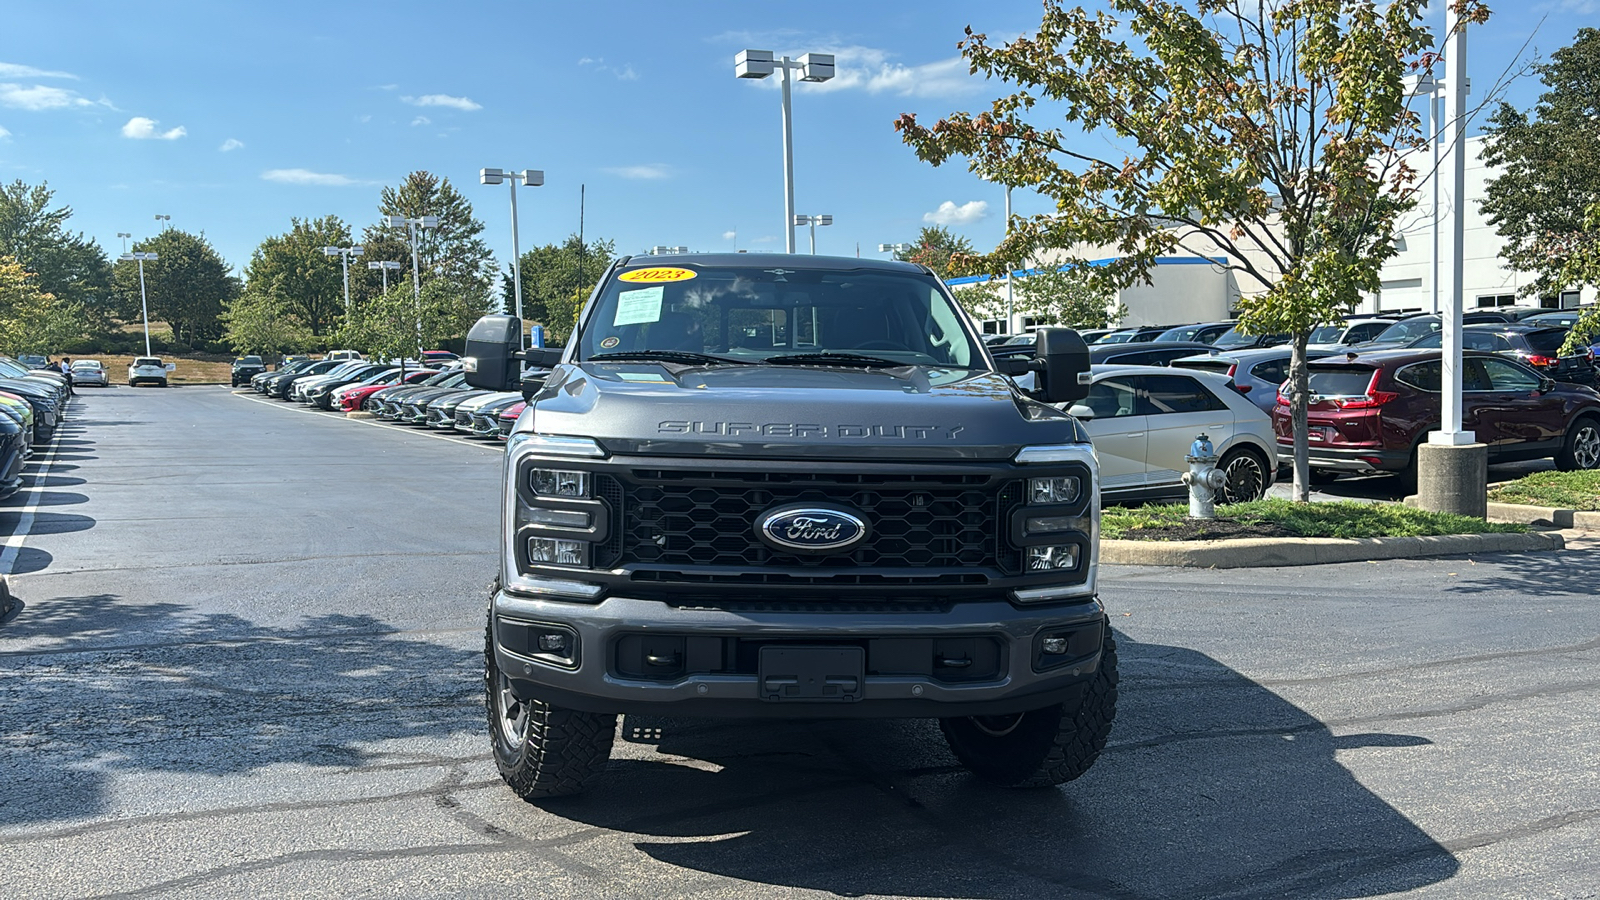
1543, 516
1265, 552
359, 414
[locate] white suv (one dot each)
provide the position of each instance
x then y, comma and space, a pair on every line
148, 369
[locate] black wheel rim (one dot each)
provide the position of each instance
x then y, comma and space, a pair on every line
1244, 479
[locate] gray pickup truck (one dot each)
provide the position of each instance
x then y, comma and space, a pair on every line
793, 486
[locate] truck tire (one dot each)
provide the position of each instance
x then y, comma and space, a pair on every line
542, 750
1042, 747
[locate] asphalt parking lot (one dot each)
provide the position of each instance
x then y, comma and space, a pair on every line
248, 663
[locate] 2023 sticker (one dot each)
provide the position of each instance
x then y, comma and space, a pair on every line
657, 275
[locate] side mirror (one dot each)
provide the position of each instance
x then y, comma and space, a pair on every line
1064, 359
1079, 411
490, 361
1546, 385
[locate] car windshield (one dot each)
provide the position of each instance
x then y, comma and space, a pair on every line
146, 361
1233, 337
1349, 381
1116, 337
1408, 330
750, 315
248, 361
439, 379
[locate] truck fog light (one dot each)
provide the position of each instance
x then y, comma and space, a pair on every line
557, 552
557, 643
1062, 489
1052, 558
561, 483
1054, 645
559, 518
1049, 524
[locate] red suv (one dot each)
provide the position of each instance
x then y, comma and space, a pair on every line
1368, 412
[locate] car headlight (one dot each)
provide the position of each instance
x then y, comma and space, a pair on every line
553, 519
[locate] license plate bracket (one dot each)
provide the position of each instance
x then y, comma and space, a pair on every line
812, 674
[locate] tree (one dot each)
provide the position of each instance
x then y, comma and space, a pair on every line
1055, 297
187, 285
453, 251
553, 272
1549, 164
68, 266
295, 278
31, 319
934, 247
1275, 134
392, 325
258, 321
1581, 265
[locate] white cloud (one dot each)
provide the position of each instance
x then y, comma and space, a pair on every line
4, 133
464, 104
870, 69
231, 144
730, 235
143, 129
421, 120
16, 70
648, 172
39, 97
949, 213
306, 176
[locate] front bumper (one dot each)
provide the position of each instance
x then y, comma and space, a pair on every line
904, 673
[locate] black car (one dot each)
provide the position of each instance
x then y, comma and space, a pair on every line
1140, 335
1536, 346
246, 368
279, 386
385, 404
13, 450
47, 405
262, 383
1151, 353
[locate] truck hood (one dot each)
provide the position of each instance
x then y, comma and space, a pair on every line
924, 412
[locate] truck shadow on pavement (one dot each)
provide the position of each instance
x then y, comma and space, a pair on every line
97, 688
1212, 786
1568, 572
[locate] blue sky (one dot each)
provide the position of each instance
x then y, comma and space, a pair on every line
233, 118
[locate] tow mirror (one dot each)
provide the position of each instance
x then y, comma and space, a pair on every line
1063, 360
490, 360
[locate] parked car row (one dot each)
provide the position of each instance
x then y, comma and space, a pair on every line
437, 398
33, 404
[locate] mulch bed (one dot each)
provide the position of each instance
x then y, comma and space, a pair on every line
1209, 530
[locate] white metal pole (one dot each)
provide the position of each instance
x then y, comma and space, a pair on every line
344, 259
516, 266
1455, 101
416, 284
812, 221
788, 160
1011, 313
1438, 134
144, 303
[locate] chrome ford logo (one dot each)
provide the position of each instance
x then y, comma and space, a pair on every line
807, 528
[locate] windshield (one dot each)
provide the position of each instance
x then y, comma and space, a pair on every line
750, 315
1233, 337
11, 367
147, 361
248, 361
438, 379
1409, 329
1327, 334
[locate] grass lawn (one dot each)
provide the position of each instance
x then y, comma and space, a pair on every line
1284, 518
1561, 490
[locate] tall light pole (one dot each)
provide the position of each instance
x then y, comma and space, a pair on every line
411, 226
144, 301
384, 267
1011, 305
895, 249
124, 235
344, 254
813, 221
530, 178
166, 219
814, 67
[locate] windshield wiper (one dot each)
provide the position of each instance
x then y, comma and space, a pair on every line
834, 359
675, 356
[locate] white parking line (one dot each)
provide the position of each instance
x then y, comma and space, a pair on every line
13, 542
496, 447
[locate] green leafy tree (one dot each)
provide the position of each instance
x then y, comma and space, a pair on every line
70, 267
188, 285
454, 251
1581, 265
1057, 297
1549, 164
935, 247
292, 275
258, 321
1275, 133
33, 320
553, 272
399, 324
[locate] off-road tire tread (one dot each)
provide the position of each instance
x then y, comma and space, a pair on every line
1079, 735
564, 751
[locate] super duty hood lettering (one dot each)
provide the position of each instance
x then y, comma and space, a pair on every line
808, 430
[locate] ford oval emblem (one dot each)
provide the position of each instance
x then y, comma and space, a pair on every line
810, 528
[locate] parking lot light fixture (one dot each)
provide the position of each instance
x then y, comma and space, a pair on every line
144, 302
124, 235
662, 250
412, 226
813, 221
813, 67
529, 178
895, 249
384, 267
344, 254
165, 219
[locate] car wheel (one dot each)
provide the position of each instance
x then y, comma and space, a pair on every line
542, 750
1244, 476
1581, 449
1041, 747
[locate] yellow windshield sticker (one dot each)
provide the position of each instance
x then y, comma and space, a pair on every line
657, 275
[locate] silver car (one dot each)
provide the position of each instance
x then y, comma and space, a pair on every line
87, 372
1257, 373
1142, 420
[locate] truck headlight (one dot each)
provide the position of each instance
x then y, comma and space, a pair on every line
559, 552
560, 483
1056, 489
